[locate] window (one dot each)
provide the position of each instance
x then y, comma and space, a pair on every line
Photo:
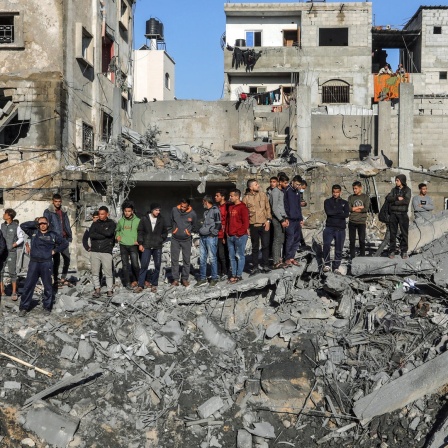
333, 37
290, 38
335, 92
11, 30
167, 81
108, 68
437, 30
443, 76
84, 45
87, 137
253, 38
124, 20
106, 128
6, 29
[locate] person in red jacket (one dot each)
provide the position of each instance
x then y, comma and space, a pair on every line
237, 227
223, 253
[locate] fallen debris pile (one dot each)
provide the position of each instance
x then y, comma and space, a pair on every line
289, 358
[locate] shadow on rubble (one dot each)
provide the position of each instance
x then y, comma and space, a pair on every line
438, 436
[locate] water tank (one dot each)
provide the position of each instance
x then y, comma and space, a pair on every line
240, 42
154, 29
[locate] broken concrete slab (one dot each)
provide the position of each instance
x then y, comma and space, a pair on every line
262, 429
85, 350
397, 266
214, 404
421, 381
68, 352
51, 424
243, 439
215, 335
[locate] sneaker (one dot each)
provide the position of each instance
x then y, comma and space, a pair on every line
224, 278
254, 272
185, 283
392, 255
96, 294
46, 312
147, 284
129, 288
200, 283
110, 293
404, 255
23, 313
214, 282
337, 272
138, 290
327, 269
266, 269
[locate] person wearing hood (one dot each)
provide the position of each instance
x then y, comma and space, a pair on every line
126, 235
209, 242
152, 233
57, 218
399, 199
183, 224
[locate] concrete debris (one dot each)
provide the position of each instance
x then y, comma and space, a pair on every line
211, 406
215, 335
262, 429
244, 439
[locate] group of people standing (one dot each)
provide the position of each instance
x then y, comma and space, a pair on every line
272, 220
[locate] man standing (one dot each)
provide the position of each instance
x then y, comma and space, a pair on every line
294, 213
337, 211
183, 223
102, 239
359, 205
399, 199
279, 219
126, 234
273, 183
58, 221
152, 233
260, 220
13, 235
223, 253
237, 227
44, 244
422, 204
209, 242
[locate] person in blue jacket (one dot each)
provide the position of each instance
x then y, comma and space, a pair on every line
44, 244
337, 211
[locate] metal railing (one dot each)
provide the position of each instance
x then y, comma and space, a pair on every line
6, 34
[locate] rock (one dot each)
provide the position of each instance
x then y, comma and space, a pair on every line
210, 407
141, 335
68, 352
67, 303
28, 442
215, 335
262, 429
173, 331
65, 337
85, 350
14, 385
243, 439
50, 424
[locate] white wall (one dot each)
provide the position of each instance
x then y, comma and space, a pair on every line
150, 67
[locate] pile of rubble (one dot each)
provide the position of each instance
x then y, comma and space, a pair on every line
289, 358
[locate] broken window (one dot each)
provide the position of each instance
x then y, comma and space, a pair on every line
87, 138
333, 37
6, 29
443, 76
106, 128
291, 38
167, 81
335, 92
108, 58
253, 38
437, 30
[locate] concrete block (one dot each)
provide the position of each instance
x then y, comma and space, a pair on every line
215, 335
85, 350
12, 385
423, 380
50, 424
243, 439
214, 404
173, 331
68, 352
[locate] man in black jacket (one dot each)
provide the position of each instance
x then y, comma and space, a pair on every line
151, 234
399, 199
337, 210
44, 244
102, 239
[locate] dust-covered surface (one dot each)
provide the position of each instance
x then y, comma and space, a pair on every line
288, 358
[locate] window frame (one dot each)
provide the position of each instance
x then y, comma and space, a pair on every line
328, 29
336, 84
18, 41
85, 54
167, 81
443, 76
107, 124
254, 32
437, 30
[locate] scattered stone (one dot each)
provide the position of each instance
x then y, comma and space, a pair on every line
85, 350
14, 385
243, 439
68, 352
28, 442
215, 335
211, 406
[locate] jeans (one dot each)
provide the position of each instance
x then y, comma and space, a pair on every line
292, 237
131, 252
99, 261
11, 262
361, 229
146, 258
223, 257
57, 262
237, 246
36, 270
207, 249
259, 234
176, 247
279, 240
338, 235
399, 220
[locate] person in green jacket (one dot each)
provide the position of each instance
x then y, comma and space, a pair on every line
126, 235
